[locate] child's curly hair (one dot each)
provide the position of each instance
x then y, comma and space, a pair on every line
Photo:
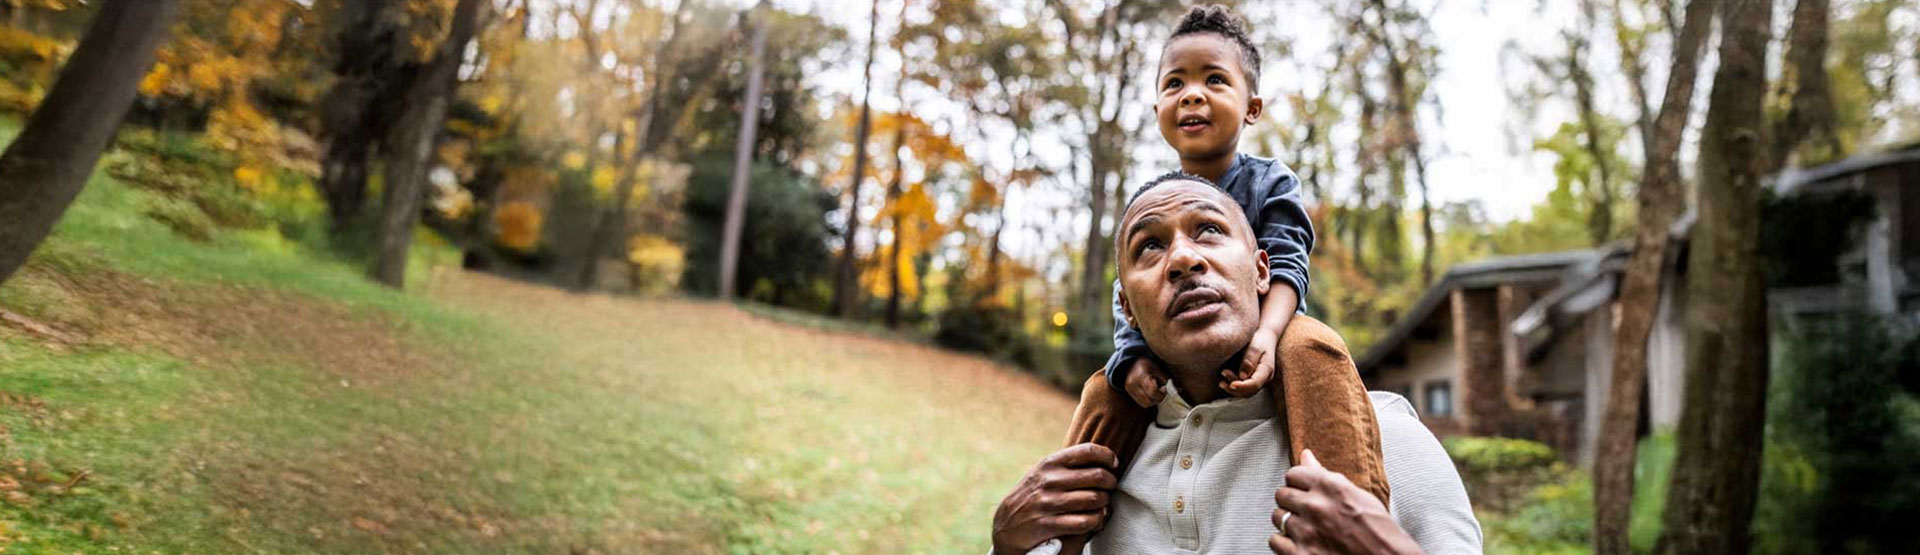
1219, 20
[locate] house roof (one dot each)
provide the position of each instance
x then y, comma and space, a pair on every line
1799, 180
1590, 275
1471, 275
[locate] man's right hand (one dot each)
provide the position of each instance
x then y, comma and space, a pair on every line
1065, 495
1145, 382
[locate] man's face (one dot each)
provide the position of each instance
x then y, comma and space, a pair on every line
1190, 275
1204, 96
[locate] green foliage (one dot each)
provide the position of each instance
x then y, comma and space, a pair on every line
1498, 454
1557, 518
1556, 514
1652, 465
784, 242
1840, 417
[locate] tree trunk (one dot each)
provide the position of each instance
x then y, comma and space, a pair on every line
1660, 202
742, 164
411, 149
1631, 62
1600, 221
1803, 88
846, 284
894, 189
1717, 469
49, 162
1093, 273
350, 126
1407, 137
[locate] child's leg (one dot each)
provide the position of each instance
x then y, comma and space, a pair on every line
1109, 418
1326, 406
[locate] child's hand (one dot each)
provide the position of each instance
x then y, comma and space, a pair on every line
1256, 368
1144, 382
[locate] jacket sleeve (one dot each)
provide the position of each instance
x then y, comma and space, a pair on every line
1128, 345
1286, 232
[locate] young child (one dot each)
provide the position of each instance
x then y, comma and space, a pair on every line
1205, 96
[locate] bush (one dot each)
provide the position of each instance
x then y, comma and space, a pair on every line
1499, 454
1501, 473
1841, 440
1557, 517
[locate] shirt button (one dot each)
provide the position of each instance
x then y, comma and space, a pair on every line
1186, 462
1179, 505
1196, 420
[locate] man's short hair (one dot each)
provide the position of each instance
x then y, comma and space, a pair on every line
1219, 20
1175, 175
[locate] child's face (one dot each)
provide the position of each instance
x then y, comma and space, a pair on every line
1204, 96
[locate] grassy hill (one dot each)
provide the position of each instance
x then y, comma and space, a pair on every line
248, 393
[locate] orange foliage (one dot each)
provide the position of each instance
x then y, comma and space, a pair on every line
518, 223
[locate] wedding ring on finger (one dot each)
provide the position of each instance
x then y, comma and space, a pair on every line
1283, 522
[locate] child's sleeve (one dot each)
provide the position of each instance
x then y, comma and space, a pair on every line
1286, 233
1128, 345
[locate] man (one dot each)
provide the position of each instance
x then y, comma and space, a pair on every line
1212, 469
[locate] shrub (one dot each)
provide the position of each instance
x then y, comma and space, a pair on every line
1557, 517
1498, 454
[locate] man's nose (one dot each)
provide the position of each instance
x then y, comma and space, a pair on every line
1183, 261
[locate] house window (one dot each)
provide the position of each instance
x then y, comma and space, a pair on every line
1439, 399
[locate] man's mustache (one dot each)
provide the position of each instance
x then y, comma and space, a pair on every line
1193, 291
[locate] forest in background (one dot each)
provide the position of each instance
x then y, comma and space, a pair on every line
590, 143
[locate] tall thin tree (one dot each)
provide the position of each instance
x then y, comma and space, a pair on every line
846, 283
1600, 218
743, 158
1803, 87
49, 162
1405, 125
410, 151
894, 187
1660, 202
1716, 471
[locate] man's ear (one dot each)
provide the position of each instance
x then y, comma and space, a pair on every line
1260, 263
1126, 308
1255, 107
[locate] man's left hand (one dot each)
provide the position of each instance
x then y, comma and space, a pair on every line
1321, 511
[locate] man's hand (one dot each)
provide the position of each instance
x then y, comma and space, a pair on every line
1145, 382
1323, 512
1256, 367
1065, 495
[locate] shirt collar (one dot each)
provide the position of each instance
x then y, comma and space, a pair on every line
1173, 409
1239, 163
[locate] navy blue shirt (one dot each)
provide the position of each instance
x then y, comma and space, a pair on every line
1269, 193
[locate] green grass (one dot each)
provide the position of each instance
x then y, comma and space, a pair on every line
255, 393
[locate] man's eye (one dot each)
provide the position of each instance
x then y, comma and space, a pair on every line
1148, 245
1210, 228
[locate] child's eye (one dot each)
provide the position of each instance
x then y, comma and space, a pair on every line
1172, 84
1216, 80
